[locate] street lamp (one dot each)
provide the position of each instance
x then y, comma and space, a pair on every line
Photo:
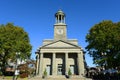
104, 55
16, 71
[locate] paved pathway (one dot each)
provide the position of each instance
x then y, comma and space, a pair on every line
48, 78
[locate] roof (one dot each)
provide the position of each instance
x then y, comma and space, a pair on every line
60, 12
60, 44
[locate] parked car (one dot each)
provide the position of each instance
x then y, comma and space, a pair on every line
109, 71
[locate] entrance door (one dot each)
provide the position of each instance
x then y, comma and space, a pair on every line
72, 68
48, 69
59, 72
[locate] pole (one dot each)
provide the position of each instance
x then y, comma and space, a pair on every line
16, 65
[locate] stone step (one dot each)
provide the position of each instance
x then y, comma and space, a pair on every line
60, 78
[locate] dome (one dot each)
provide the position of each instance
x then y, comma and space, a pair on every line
60, 12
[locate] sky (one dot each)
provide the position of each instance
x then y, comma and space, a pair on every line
37, 18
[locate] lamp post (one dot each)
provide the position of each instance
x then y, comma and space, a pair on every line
16, 72
104, 55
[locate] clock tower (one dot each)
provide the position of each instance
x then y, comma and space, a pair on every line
60, 32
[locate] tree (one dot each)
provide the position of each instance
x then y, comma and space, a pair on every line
13, 39
104, 38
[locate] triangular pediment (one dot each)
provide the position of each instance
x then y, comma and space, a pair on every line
60, 44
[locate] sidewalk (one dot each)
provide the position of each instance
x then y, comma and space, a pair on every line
49, 78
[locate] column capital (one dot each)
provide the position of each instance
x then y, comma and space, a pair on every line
41, 52
53, 52
66, 52
80, 52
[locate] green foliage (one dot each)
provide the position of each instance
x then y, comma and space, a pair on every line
13, 39
45, 73
0, 73
104, 37
69, 72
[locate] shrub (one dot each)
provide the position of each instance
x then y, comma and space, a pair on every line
0, 73
69, 72
45, 73
24, 75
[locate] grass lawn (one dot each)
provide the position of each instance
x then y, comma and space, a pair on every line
11, 77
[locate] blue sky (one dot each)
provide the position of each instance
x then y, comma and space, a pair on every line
37, 17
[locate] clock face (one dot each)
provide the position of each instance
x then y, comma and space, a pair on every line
60, 31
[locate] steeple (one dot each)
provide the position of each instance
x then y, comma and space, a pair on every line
60, 31
60, 17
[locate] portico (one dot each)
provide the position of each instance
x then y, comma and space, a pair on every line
59, 55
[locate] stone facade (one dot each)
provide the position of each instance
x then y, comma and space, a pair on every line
59, 55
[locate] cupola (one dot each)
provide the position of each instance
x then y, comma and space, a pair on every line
60, 17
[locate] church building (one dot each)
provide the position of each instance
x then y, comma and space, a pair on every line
59, 55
